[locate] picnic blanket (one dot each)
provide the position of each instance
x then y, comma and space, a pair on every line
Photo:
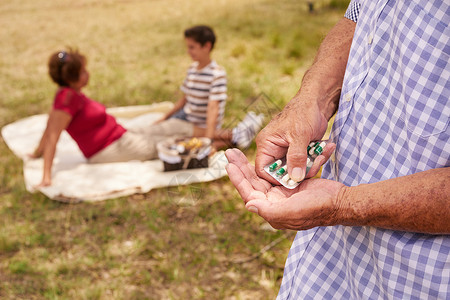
74, 180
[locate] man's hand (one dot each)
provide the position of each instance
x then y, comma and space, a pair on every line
289, 134
306, 116
313, 203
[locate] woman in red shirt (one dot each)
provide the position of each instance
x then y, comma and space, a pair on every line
98, 135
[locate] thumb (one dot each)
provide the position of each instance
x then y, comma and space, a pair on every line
259, 207
296, 159
272, 212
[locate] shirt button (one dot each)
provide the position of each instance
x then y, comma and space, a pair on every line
347, 98
370, 39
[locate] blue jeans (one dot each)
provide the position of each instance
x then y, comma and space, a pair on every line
180, 114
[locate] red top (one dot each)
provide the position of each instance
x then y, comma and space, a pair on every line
91, 127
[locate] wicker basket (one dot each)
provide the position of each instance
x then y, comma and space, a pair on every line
185, 153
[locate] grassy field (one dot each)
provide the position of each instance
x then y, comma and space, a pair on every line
150, 246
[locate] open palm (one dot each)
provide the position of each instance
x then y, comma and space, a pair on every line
313, 203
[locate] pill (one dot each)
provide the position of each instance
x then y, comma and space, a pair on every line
281, 170
318, 150
275, 165
278, 169
285, 178
311, 151
309, 163
291, 182
310, 146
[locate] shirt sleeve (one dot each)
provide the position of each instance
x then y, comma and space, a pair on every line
218, 91
352, 12
68, 101
183, 87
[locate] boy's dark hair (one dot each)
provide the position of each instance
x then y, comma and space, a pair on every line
201, 34
64, 66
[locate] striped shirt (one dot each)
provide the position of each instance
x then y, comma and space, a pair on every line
202, 86
393, 120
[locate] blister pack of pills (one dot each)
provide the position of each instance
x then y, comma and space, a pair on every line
278, 168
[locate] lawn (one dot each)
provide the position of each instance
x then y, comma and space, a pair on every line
156, 245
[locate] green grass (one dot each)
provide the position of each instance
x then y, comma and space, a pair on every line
175, 243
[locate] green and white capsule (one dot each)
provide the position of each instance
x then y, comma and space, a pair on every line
310, 146
309, 162
319, 149
313, 148
275, 165
282, 170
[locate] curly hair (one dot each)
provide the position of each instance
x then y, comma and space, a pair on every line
64, 66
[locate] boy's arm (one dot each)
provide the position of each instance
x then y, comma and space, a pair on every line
217, 94
212, 112
178, 105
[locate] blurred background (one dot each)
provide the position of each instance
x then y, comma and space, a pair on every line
150, 246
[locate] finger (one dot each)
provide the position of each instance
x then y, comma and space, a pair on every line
232, 156
264, 159
281, 215
296, 158
269, 149
238, 158
321, 159
243, 186
272, 212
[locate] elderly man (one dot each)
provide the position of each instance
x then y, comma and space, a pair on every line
377, 225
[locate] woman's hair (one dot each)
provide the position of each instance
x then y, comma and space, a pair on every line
64, 66
201, 34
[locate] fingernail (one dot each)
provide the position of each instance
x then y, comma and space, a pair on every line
252, 209
297, 174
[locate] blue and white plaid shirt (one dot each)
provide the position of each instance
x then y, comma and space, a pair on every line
393, 120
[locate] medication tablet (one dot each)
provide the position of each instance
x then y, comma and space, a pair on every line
318, 150
310, 146
275, 165
311, 151
309, 164
281, 170
285, 178
278, 169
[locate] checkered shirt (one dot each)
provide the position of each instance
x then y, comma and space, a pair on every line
392, 121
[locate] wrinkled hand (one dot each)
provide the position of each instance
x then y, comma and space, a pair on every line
289, 134
313, 203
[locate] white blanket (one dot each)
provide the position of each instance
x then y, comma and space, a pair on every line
74, 180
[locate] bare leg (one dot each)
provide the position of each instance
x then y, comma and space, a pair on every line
169, 128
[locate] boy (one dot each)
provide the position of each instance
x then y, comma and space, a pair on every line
205, 93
